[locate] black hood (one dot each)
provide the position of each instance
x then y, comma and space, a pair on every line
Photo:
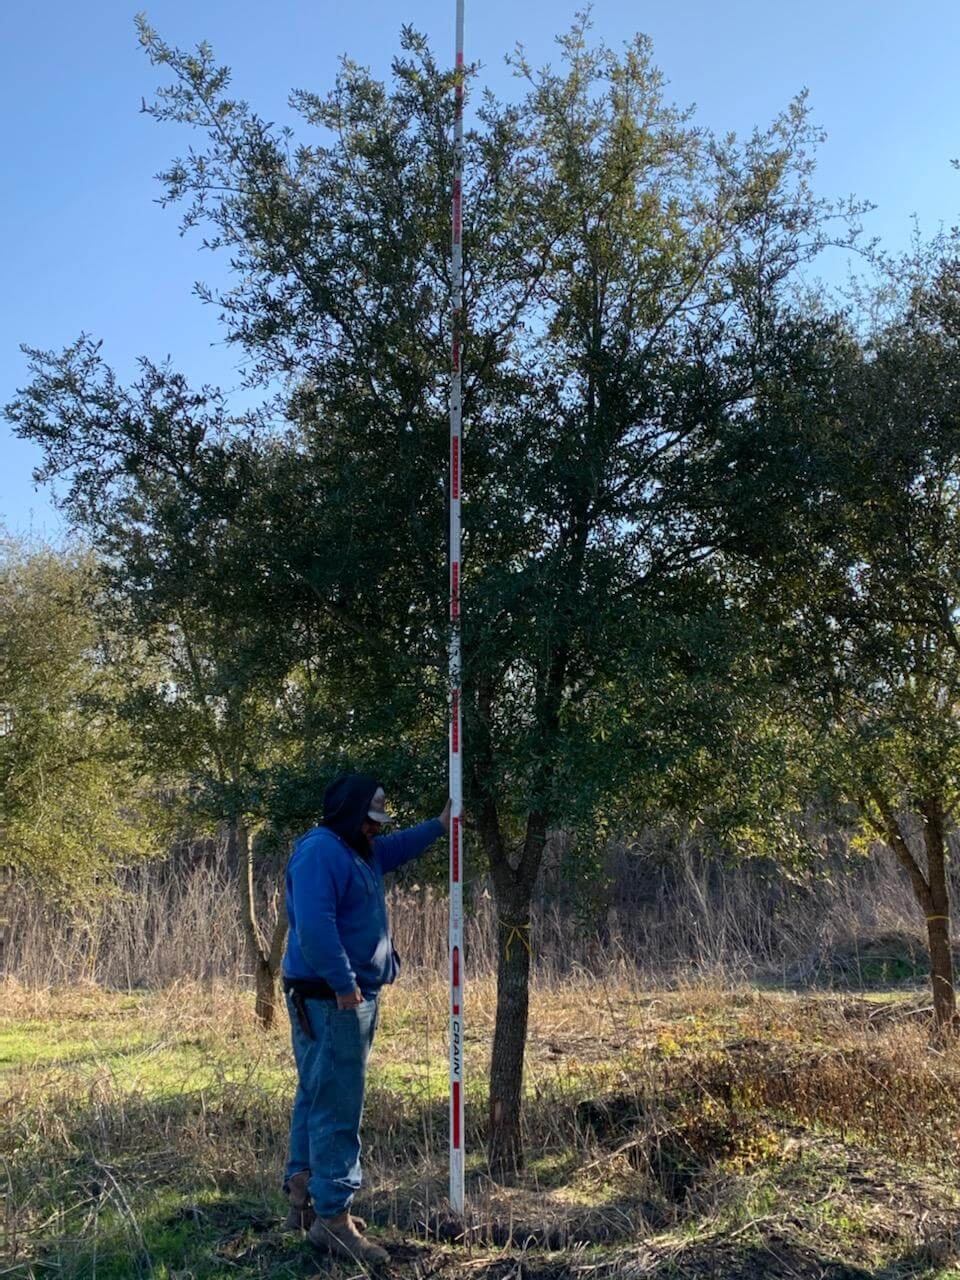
346, 803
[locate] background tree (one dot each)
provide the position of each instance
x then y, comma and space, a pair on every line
840, 494
154, 478
73, 803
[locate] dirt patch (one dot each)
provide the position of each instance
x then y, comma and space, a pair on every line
771, 1258
525, 1218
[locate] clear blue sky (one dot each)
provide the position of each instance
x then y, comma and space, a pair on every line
85, 247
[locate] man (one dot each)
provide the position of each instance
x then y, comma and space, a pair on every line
339, 954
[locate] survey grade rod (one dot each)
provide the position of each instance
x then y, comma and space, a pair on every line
456, 725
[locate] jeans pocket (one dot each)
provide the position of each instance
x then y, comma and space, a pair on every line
357, 1012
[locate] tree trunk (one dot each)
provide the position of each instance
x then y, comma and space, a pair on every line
265, 959
509, 1039
513, 882
933, 898
938, 921
941, 975
513, 892
268, 967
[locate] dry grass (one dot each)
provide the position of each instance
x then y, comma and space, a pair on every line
686, 1132
666, 911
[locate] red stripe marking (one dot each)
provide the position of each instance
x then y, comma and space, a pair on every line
455, 467
455, 721
456, 973
460, 58
456, 1115
455, 590
455, 854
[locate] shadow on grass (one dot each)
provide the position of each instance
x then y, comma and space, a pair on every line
201, 1238
212, 1237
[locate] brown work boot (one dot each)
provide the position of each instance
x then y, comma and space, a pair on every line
300, 1215
340, 1237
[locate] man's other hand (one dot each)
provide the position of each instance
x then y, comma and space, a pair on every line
445, 816
350, 999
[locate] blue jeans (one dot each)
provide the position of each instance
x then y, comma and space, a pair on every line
325, 1126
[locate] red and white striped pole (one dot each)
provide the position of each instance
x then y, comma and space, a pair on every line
456, 735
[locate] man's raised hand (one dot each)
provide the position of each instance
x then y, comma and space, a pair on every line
445, 816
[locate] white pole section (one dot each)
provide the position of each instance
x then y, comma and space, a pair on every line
456, 734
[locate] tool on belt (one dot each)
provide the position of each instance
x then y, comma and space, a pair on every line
300, 990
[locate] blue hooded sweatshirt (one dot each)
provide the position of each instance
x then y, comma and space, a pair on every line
335, 894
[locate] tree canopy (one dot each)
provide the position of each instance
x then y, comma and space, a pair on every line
72, 802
